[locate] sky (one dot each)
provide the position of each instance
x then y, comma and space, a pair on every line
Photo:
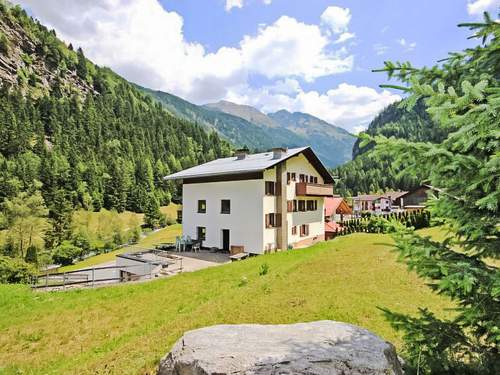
312, 56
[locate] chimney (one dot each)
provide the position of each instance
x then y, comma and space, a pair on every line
278, 152
241, 153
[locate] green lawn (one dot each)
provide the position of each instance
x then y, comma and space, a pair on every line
128, 328
167, 234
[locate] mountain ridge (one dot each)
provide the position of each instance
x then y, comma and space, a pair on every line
332, 143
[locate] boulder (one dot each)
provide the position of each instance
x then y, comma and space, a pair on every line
324, 347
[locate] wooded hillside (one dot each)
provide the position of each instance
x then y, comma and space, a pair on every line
80, 133
369, 173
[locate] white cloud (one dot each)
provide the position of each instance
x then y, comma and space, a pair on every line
380, 49
344, 37
478, 7
230, 4
348, 106
336, 18
408, 46
292, 48
143, 42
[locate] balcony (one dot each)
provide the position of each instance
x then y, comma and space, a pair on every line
314, 190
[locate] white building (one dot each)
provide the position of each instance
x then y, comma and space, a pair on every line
256, 203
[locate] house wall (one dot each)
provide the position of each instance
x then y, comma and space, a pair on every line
249, 205
245, 222
300, 165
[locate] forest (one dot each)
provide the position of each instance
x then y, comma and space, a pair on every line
77, 136
370, 172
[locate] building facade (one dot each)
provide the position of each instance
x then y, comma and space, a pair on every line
256, 203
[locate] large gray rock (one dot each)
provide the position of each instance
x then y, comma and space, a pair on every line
323, 347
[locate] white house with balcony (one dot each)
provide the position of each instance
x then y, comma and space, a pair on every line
256, 203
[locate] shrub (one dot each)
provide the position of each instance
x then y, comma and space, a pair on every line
4, 44
81, 240
31, 254
13, 270
135, 235
264, 269
65, 253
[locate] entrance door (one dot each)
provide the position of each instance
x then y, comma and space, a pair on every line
225, 239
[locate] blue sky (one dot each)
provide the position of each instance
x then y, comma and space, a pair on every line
312, 56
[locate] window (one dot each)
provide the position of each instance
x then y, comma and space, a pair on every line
270, 188
302, 206
315, 180
225, 206
294, 230
288, 177
311, 179
294, 205
310, 205
202, 207
304, 230
201, 233
289, 206
273, 220
302, 178
294, 176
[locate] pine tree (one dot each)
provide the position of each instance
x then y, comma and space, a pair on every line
60, 219
463, 96
81, 68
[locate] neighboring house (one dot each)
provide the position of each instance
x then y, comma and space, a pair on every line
364, 203
256, 203
336, 211
415, 199
378, 204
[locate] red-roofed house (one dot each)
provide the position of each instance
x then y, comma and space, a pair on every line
336, 208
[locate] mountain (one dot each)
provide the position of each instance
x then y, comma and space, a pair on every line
332, 144
82, 135
237, 130
369, 172
246, 112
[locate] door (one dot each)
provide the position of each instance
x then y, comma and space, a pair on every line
225, 239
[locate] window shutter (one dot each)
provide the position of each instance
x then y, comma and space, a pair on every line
288, 177
289, 205
268, 221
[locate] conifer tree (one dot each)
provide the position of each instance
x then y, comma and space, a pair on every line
463, 96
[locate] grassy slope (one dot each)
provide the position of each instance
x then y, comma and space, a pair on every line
167, 234
126, 329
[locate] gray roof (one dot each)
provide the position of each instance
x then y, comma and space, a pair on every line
251, 163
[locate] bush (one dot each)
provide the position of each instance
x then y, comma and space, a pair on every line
264, 269
31, 254
135, 235
65, 253
81, 240
4, 44
13, 270
170, 221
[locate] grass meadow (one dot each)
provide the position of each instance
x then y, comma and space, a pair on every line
128, 328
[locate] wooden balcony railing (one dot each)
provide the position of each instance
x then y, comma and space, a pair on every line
315, 190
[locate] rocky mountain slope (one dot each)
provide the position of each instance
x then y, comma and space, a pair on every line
324, 136
246, 112
82, 135
332, 144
